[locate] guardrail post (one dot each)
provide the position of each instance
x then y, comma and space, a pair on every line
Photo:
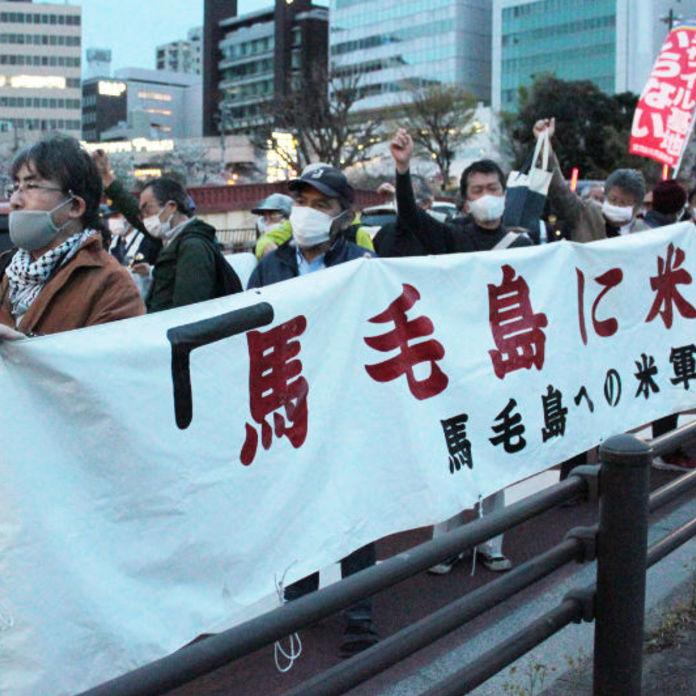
621, 566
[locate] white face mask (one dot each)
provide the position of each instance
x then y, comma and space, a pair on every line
619, 215
310, 227
155, 227
488, 208
118, 226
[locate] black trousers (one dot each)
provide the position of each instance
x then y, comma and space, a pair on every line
358, 560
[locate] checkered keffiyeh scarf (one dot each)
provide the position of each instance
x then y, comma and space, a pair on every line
27, 277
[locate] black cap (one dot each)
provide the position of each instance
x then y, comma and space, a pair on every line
330, 181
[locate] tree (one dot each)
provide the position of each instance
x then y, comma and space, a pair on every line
441, 118
317, 114
592, 128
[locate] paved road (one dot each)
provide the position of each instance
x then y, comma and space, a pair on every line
409, 601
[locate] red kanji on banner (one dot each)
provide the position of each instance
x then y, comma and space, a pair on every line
516, 329
663, 117
275, 383
669, 275
409, 356
602, 327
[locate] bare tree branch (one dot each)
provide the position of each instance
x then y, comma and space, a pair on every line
318, 114
441, 119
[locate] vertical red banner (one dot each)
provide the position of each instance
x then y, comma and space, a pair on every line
664, 114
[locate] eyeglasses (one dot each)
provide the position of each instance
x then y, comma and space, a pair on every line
27, 187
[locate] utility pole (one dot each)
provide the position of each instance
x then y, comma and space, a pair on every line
671, 18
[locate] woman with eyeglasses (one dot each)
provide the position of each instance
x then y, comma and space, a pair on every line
60, 277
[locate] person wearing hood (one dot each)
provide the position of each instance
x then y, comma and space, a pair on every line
668, 201
187, 269
321, 212
588, 220
482, 188
59, 277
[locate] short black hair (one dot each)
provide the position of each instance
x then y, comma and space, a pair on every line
166, 189
62, 159
484, 166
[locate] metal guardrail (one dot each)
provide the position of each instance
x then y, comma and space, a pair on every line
238, 239
619, 542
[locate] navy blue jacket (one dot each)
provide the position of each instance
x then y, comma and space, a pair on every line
281, 264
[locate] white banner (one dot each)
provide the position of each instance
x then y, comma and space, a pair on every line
368, 399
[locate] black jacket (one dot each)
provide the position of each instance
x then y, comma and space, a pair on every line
281, 264
436, 237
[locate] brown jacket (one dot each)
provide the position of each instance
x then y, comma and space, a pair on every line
585, 217
92, 288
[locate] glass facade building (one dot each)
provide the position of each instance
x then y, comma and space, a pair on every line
613, 43
573, 40
392, 44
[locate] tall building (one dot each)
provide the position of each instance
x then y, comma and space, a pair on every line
40, 47
182, 56
613, 43
104, 105
393, 45
257, 58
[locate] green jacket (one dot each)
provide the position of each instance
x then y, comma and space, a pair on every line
283, 233
185, 271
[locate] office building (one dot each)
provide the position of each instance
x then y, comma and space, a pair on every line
393, 45
104, 105
182, 56
40, 47
613, 43
140, 103
260, 57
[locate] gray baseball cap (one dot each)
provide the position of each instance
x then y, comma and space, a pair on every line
276, 201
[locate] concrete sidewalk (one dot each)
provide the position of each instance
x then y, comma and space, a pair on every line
563, 660
669, 660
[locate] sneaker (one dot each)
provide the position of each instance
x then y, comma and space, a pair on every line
357, 637
674, 462
497, 562
445, 566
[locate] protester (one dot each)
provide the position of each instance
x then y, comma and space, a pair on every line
190, 268
690, 212
624, 192
392, 240
354, 232
60, 278
668, 201
273, 211
482, 188
142, 246
124, 239
593, 192
322, 210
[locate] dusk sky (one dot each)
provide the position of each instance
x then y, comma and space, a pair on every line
132, 29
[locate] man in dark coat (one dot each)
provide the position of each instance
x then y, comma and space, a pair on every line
187, 269
322, 210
